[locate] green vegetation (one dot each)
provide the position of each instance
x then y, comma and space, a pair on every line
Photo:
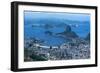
38, 57
31, 55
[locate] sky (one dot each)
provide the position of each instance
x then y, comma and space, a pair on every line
30, 15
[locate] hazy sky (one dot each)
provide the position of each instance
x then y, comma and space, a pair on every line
71, 16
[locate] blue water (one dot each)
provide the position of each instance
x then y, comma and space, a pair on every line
34, 26
82, 30
39, 33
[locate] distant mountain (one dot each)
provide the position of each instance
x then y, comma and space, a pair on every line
88, 37
76, 21
53, 21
